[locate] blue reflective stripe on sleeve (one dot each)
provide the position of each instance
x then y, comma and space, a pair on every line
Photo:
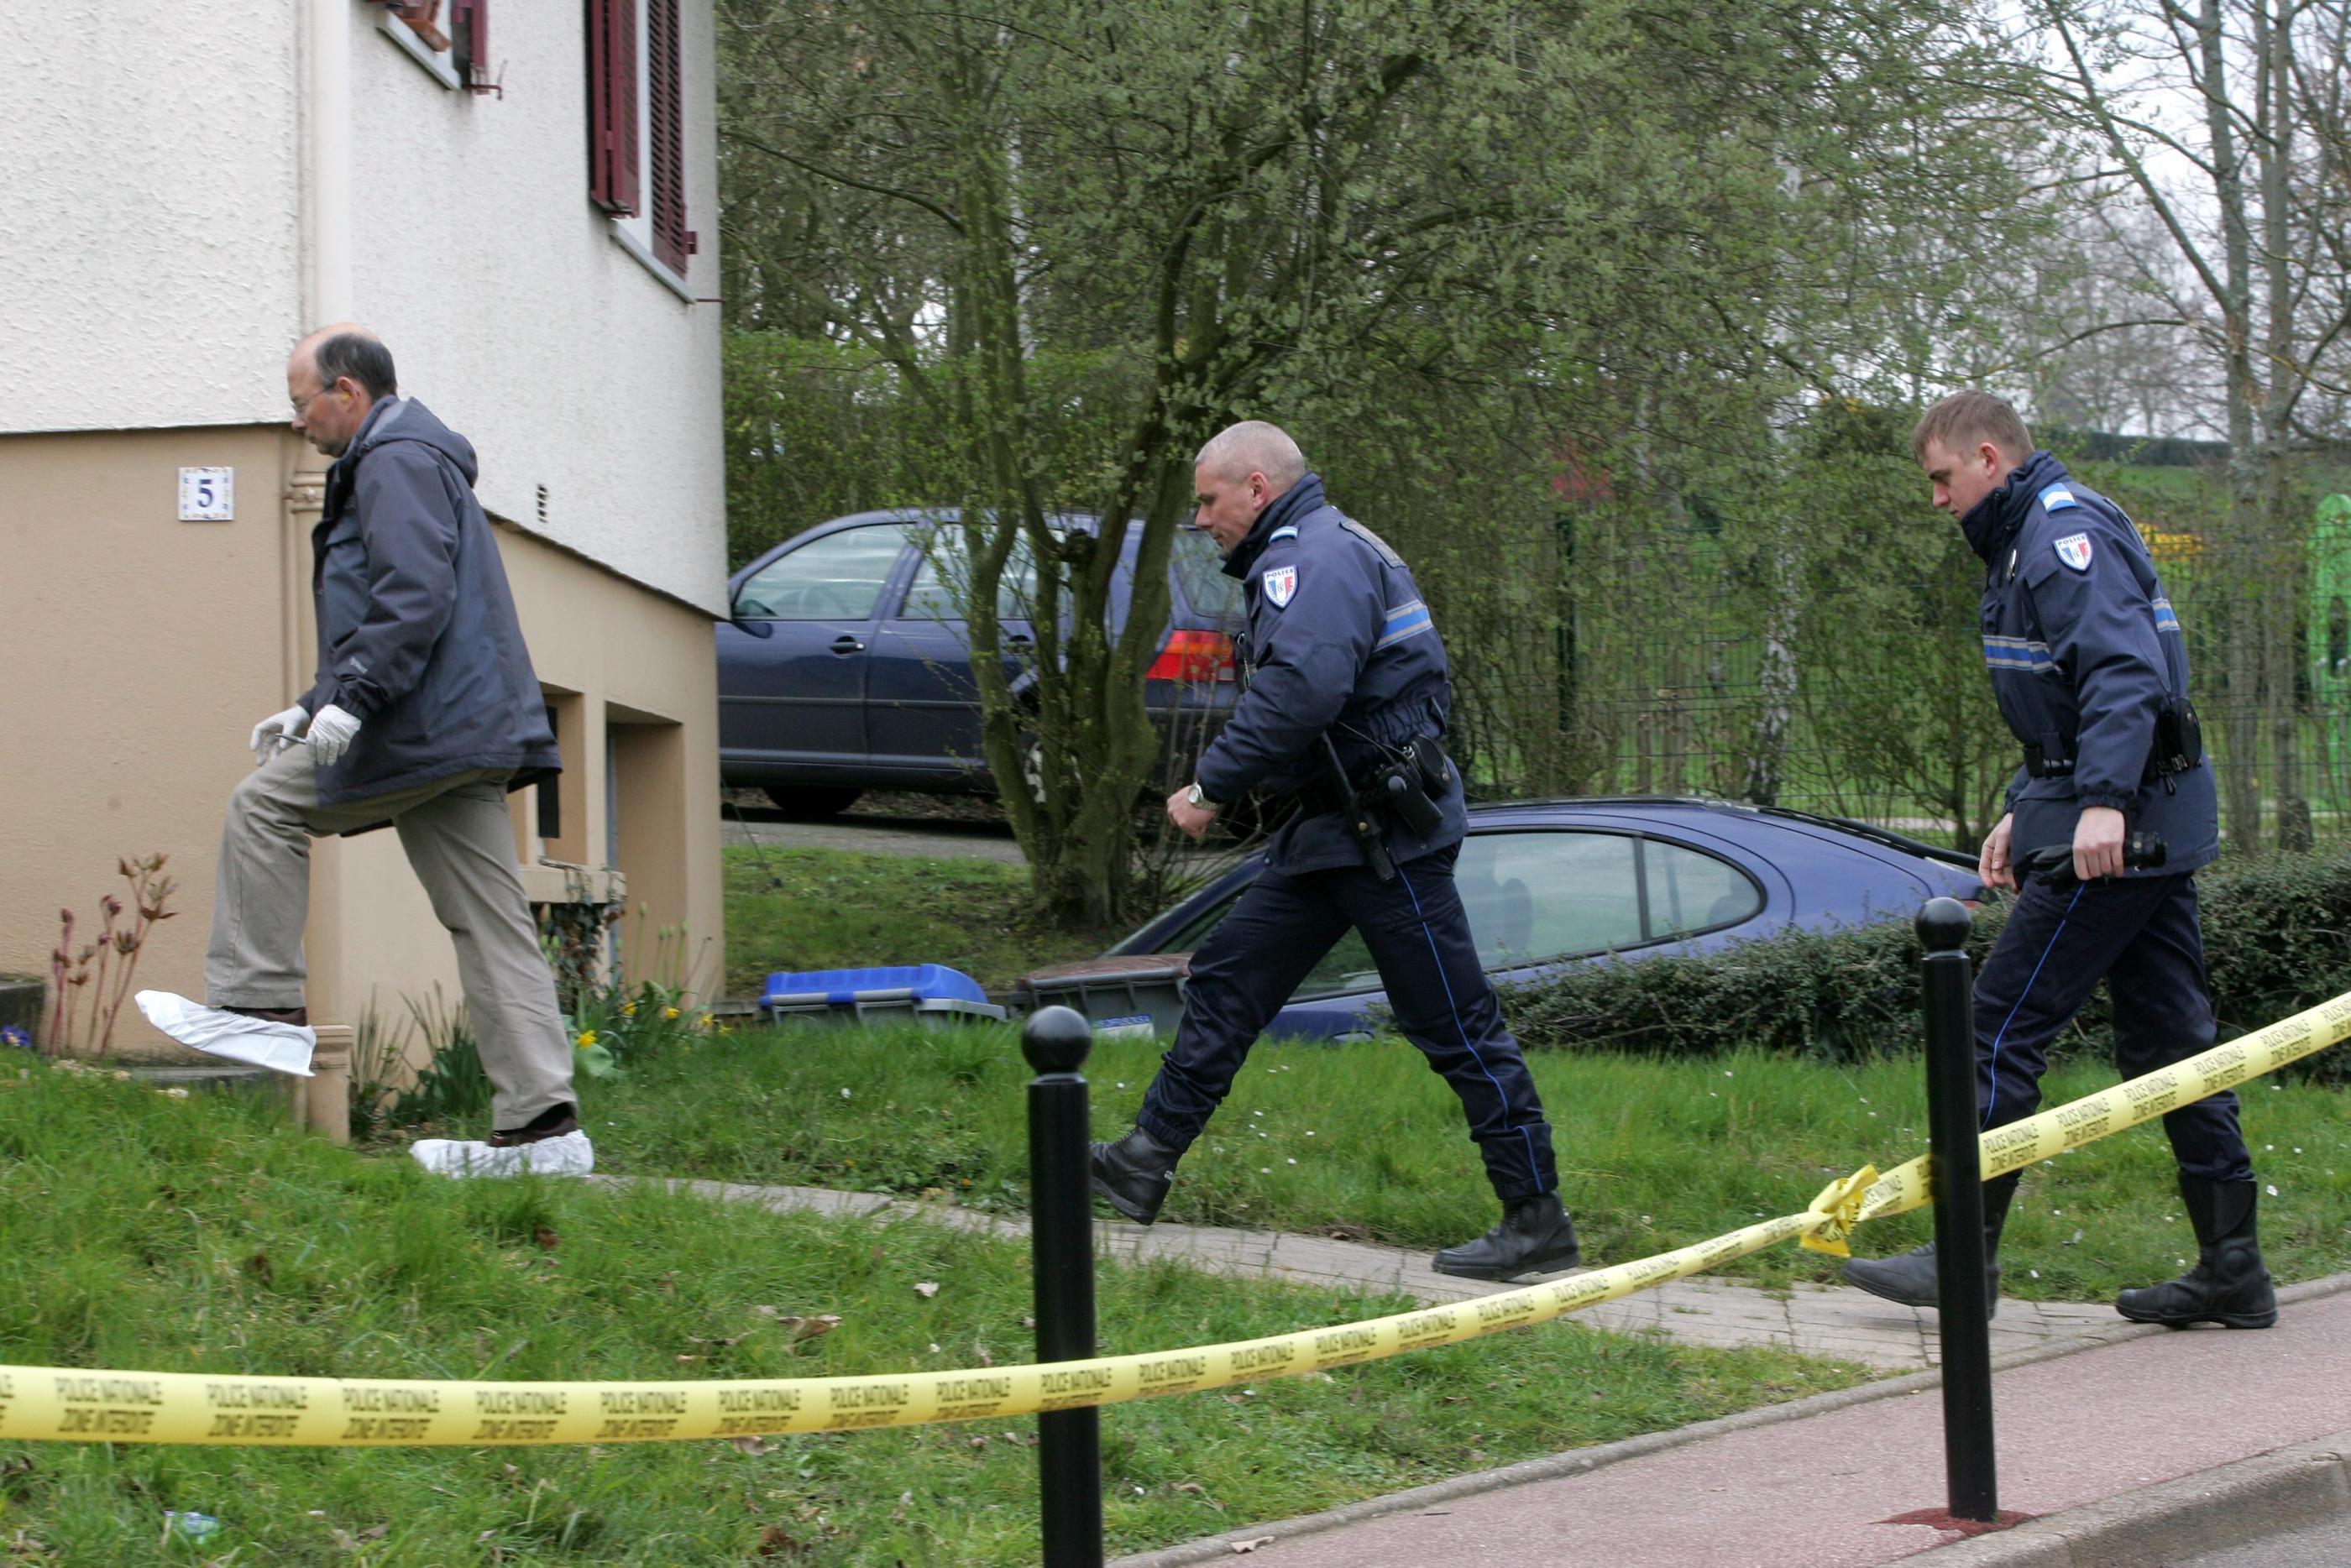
1286, 531
1406, 621
2165, 619
2017, 653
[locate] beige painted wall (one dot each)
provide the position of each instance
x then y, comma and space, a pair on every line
140, 650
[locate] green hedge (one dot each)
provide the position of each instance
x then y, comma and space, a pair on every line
2277, 934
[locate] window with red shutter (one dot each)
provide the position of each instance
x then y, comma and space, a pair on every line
665, 116
612, 176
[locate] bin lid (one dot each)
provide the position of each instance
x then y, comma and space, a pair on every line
841, 987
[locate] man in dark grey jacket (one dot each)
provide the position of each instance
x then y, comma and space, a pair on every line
425, 713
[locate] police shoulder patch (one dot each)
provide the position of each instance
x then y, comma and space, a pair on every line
1280, 586
2073, 550
2056, 498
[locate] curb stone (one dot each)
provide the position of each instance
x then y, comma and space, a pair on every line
2200, 1505
2230, 1505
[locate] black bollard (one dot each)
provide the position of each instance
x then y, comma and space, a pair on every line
1061, 1249
1953, 1122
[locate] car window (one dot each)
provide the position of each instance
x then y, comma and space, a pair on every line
942, 584
1534, 896
1200, 573
836, 578
1530, 898
1692, 891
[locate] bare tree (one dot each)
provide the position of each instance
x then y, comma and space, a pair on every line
2257, 217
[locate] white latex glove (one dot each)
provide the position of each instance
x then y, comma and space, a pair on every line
279, 730
330, 735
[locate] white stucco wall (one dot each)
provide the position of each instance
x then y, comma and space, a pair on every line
560, 355
155, 262
151, 260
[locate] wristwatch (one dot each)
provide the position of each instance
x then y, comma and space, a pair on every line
1193, 798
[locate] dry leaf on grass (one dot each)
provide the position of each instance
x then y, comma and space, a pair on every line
927, 1289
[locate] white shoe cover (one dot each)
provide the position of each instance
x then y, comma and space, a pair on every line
569, 1155
281, 1047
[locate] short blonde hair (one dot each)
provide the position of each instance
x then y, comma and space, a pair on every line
1254, 446
1964, 419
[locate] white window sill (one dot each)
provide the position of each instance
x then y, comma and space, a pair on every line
441, 68
626, 238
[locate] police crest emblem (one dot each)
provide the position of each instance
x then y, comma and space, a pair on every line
1280, 586
2073, 549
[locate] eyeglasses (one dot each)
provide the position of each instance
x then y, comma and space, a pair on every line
302, 405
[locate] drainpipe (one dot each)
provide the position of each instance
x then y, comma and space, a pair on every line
326, 112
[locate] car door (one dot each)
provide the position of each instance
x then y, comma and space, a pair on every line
792, 662
922, 703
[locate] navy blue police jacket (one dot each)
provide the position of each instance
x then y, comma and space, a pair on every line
1338, 640
2085, 649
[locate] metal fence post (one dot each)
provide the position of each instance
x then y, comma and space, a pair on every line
1953, 1120
1056, 1041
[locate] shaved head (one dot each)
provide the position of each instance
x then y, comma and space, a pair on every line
1251, 447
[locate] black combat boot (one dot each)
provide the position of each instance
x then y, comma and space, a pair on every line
2230, 1283
1911, 1280
1535, 1237
1133, 1174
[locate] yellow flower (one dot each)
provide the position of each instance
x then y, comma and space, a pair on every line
586, 1038
707, 1019
669, 1013
628, 1010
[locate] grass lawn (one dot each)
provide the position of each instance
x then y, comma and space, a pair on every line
842, 909
1362, 1140
201, 1235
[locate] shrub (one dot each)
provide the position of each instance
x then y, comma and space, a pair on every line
2277, 939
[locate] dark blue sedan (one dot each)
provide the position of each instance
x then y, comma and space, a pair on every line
1553, 883
846, 665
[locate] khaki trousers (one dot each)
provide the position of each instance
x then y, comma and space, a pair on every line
460, 841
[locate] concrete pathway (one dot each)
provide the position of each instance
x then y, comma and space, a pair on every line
1825, 1321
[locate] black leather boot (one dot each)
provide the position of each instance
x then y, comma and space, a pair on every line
1535, 1237
1911, 1278
1133, 1174
2230, 1283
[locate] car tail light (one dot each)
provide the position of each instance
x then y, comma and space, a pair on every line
1191, 654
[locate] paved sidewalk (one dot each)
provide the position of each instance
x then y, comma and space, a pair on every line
1815, 1320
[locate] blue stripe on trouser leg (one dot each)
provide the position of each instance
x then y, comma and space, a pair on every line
1419, 936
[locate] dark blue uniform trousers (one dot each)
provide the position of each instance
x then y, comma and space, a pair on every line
2140, 934
1419, 937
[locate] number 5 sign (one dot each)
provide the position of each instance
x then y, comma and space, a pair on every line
207, 494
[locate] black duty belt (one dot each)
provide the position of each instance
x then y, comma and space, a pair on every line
2040, 764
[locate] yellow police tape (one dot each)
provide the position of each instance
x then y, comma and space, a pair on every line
61, 1404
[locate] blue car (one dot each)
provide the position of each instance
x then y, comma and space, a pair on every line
1553, 883
846, 665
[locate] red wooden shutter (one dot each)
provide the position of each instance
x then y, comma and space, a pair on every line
612, 180
664, 109
469, 23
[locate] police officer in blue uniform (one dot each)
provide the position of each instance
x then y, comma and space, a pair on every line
2091, 672
1346, 682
